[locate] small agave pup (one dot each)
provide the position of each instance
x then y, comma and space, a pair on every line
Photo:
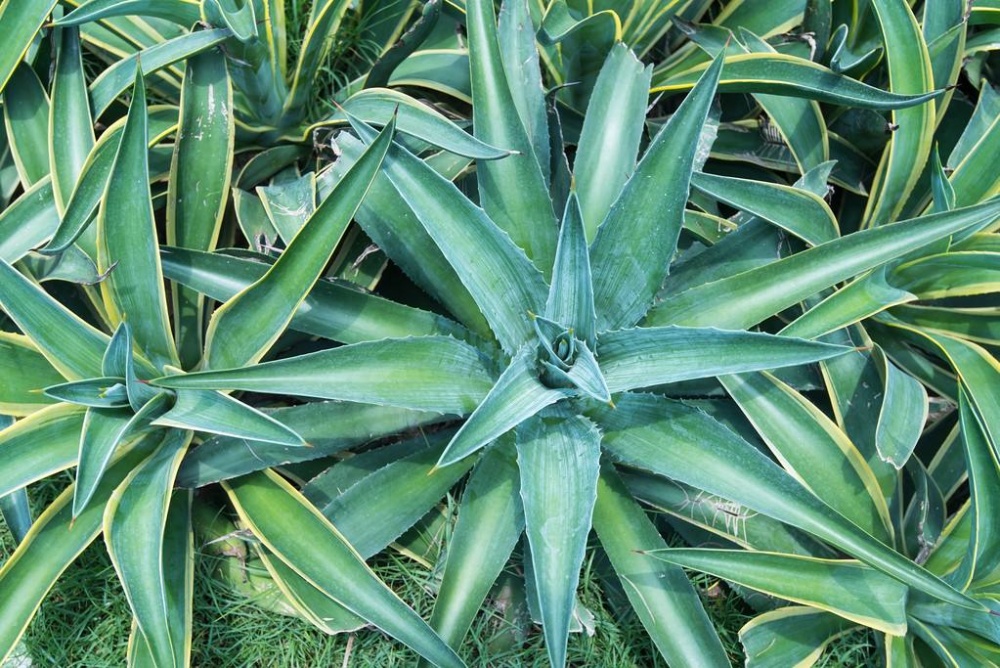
559, 362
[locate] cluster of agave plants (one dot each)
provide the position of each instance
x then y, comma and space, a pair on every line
715, 279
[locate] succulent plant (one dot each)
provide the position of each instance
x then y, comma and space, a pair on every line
677, 323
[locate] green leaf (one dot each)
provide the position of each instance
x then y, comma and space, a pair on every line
19, 23
116, 79
26, 115
315, 606
72, 346
922, 523
108, 392
482, 255
931, 372
71, 128
584, 375
139, 392
424, 373
571, 295
940, 614
297, 534
264, 165
978, 372
583, 46
790, 636
324, 488
178, 570
377, 106
678, 442
223, 457
104, 431
634, 244
512, 191
240, 17
72, 266
517, 395
984, 482
243, 329
985, 116
849, 589
41, 444
135, 525
126, 242
333, 310
953, 648
747, 298
289, 204
490, 522
25, 371
796, 210
660, 593
184, 13
198, 186
904, 413
609, 141
730, 521
370, 519
28, 222
217, 413
941, 188
644, 357
944, 31
93, 181
392, 224
16, 513
909, 73
979, 325
972, 179
559, 459
951, 274
516, 38
55, 540
859, 299
398, 17
782, 74
799, 121
119, 351
813, 450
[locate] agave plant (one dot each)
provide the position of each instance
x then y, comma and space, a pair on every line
98, 411
880, 394
574, 344
598, 339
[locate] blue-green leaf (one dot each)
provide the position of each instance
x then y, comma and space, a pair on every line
644, 357
637, 239
517, 395
559, 460
216, 413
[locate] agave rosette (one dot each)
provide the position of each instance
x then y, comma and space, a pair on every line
597, 336
571, 344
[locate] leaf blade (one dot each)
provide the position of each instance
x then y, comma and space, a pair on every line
317, 551
629, 269
238, 334
126, 242
647, 356
559, 463
200, 173
443, 375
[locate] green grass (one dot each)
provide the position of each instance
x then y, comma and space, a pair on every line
85, 622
